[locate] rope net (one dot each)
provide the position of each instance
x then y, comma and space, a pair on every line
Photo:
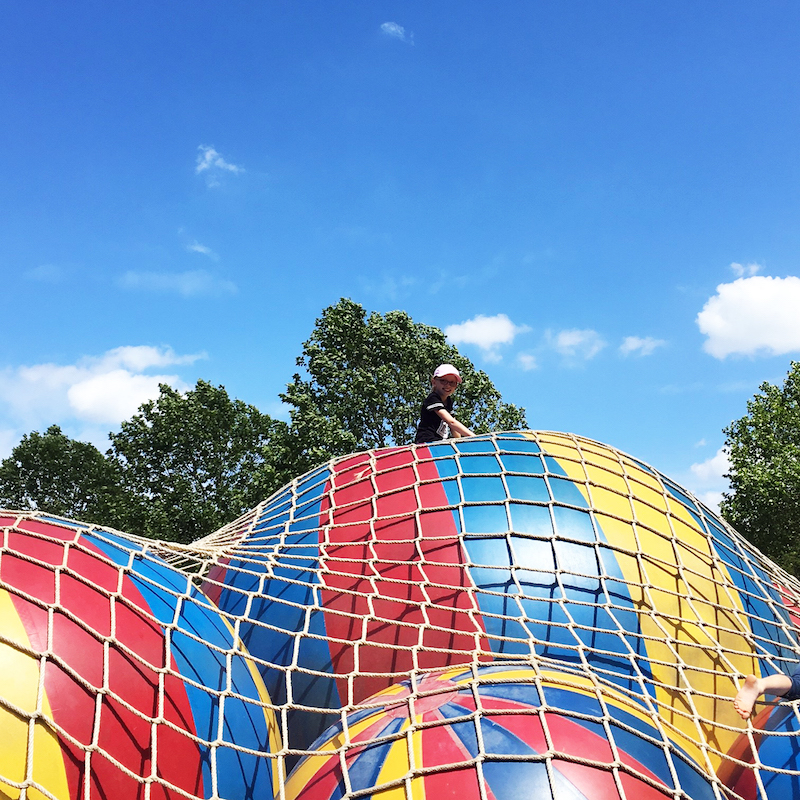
519, 615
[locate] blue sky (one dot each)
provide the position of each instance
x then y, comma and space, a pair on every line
598, 201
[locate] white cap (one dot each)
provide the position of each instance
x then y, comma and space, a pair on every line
446, 369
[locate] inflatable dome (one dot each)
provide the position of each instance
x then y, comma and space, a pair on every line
119, 679
511, 730
530, 609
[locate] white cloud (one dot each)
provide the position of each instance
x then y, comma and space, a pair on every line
96, 389
196, 247
643, 346
488, 333
208, 158
711, 499
574, 343
397, 32
708, 481
46, 273
712, 469
138, 358
752, 315
388, 286
114, 396
210, 162
8, 441
527, 361
745, 270
187, 284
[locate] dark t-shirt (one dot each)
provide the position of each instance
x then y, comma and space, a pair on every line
431, 427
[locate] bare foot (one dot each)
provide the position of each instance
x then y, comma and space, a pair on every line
748, 694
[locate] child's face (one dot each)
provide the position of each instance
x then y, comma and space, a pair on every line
446, 385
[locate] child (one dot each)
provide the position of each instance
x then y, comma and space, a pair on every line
436, 421
778, 684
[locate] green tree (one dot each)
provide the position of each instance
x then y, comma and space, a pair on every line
764, 450
53, 473
366, 377
193, 462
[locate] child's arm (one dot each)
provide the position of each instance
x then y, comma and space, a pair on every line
455, 425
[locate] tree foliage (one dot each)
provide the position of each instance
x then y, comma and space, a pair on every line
194, 461
61, 476
366, 377
764, 450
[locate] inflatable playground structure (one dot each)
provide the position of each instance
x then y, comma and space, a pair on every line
518, 616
